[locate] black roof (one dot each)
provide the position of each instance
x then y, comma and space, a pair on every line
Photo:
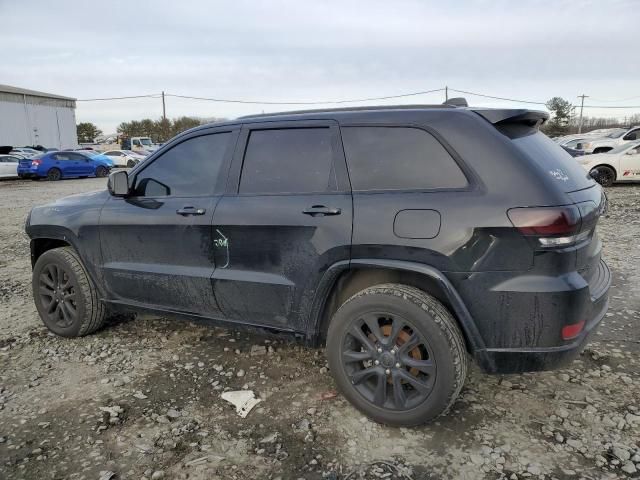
492, 115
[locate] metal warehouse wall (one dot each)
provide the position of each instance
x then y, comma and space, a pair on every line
30, 120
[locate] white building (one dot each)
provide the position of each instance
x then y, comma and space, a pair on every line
31, 118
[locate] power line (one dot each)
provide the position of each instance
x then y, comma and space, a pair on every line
355, 100
153, 95
614, 101
318, 102
497, 98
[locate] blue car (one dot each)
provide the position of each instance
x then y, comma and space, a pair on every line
57, 165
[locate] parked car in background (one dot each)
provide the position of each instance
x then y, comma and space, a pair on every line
124, 158
143, 145
66, 164
26, 151
573, 151
622, 164
612, 140
8, 166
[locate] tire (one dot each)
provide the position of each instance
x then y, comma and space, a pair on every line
65, 297
131, 164
405, 388
606, 176
54, 174
101, 172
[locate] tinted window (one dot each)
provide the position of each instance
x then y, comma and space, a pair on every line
190, 168
398, 158
63, 156
293, 160
554, 161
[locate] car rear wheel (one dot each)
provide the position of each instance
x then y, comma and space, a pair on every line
396, 354
65, 296
54, 174
606, 176
101, 172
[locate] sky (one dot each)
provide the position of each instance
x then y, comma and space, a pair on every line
299, 51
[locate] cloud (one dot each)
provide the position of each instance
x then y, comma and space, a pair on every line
292, 50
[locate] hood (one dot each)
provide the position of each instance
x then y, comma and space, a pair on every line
85, 198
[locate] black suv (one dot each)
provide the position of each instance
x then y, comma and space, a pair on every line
408, 239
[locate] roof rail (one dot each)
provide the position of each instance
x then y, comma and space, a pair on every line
348, 109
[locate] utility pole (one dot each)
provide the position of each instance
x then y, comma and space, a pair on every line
164, 110
446, 93
581, 97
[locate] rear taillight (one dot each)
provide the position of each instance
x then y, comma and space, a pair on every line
550, 227
569, 332
35, 162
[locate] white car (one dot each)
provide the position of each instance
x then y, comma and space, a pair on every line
9, 166
124, 158
26, 152
622, 164
612, 140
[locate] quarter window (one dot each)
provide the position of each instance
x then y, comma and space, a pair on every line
294, 160
189, 169
398, 158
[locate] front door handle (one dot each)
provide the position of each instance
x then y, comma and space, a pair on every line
321, 211
184, 211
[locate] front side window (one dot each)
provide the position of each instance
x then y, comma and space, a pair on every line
189, 169
289, 160
398, 158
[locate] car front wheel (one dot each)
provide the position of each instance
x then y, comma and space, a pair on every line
65, 296
397, 354
101, 172
605, 176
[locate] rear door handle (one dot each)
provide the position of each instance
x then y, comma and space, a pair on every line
184, 211
321, 211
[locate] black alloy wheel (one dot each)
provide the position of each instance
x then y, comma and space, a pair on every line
58, 295
54, 175
388, 361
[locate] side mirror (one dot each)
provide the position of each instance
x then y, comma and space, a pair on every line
579, 146
118, 184
630, 136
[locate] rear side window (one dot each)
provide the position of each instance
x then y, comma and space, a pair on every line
398, 158
549, 156
189, 169
290, 160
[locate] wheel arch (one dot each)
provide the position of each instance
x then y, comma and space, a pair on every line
344, 279
47, 238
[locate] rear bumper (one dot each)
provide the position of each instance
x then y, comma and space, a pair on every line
531, 359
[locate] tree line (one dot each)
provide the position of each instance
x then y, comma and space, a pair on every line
159, 130
565, 119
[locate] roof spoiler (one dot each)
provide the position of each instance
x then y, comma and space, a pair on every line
456, 102
516, 115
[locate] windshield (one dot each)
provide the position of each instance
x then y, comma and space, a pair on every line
145, 141
616, 134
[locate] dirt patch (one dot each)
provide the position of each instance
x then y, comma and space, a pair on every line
141, 398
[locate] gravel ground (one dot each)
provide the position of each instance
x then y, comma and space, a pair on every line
141, 398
